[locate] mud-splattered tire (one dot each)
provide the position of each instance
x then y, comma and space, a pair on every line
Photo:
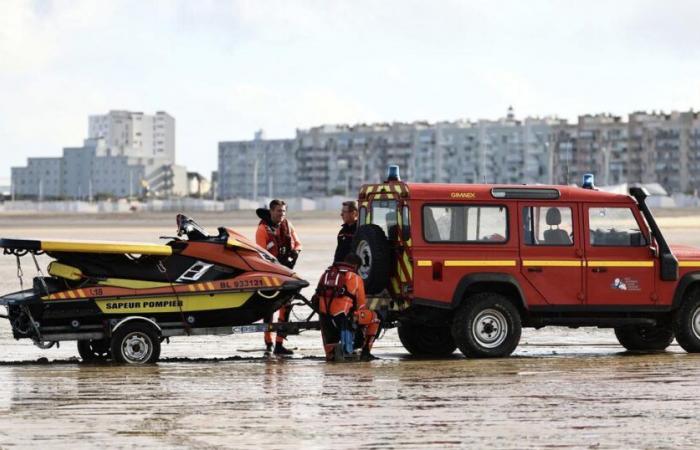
640, 338
94, 350
135, 343
686, 323
371, 245
421, 340
487, 325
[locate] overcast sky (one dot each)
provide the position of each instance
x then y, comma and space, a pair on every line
224, 69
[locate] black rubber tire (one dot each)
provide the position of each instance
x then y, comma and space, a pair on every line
127, 351
94, 350
640, 338
421, 340
488, 309
686, 324
371, 245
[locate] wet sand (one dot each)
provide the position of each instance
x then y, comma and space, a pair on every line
562, 389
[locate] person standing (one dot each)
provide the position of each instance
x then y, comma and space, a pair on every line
347, 230
277, 235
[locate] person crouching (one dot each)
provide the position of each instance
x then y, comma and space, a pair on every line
343, 311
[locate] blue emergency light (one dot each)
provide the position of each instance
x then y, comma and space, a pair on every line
392, 173
588, 181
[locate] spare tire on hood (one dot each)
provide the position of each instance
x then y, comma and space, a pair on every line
373, 248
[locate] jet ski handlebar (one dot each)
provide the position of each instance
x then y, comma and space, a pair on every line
190, 228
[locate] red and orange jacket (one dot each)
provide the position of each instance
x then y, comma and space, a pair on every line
274, 239
340, 291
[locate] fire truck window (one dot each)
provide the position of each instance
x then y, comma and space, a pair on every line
548, 225
614, 226
466, 224
384, 215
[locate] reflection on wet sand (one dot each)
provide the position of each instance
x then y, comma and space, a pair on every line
613, 400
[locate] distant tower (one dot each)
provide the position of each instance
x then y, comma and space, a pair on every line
511, 113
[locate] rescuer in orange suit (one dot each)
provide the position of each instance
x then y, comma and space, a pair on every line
277, 235
343, 310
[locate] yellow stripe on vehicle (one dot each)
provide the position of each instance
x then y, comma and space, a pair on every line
620, 263
211, 286
424, 263
689, 263
407, 264
106, 247
549, 263
190, 287
370, 189
479, 263
170, 304
81, 293
131, 284
266, 282
395, 285
402, 276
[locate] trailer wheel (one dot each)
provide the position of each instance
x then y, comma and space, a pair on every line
686, 323
421, 340
371, 245
94, 350
487, 325
135, 343
640, 338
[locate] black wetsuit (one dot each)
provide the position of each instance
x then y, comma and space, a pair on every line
345, 236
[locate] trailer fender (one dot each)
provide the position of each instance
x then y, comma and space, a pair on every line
490, 281
139, 318
682, 288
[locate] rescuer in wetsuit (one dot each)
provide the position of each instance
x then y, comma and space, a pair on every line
347, 230
277, 235
343, 310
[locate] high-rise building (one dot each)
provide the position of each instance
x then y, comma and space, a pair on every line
135, 134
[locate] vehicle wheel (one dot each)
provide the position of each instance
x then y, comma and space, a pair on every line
421, 340
94, 350
638, 338
371, 245
487, 325
135, 343
686, 323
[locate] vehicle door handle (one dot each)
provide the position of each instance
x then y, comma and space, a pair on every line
534, 269
599, 269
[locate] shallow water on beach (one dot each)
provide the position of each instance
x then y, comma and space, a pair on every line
562, 388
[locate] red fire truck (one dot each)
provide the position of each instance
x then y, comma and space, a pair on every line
469, 265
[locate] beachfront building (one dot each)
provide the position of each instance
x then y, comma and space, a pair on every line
128, 154
258, 168
646, 148
135, 134
81, 173
338, 159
